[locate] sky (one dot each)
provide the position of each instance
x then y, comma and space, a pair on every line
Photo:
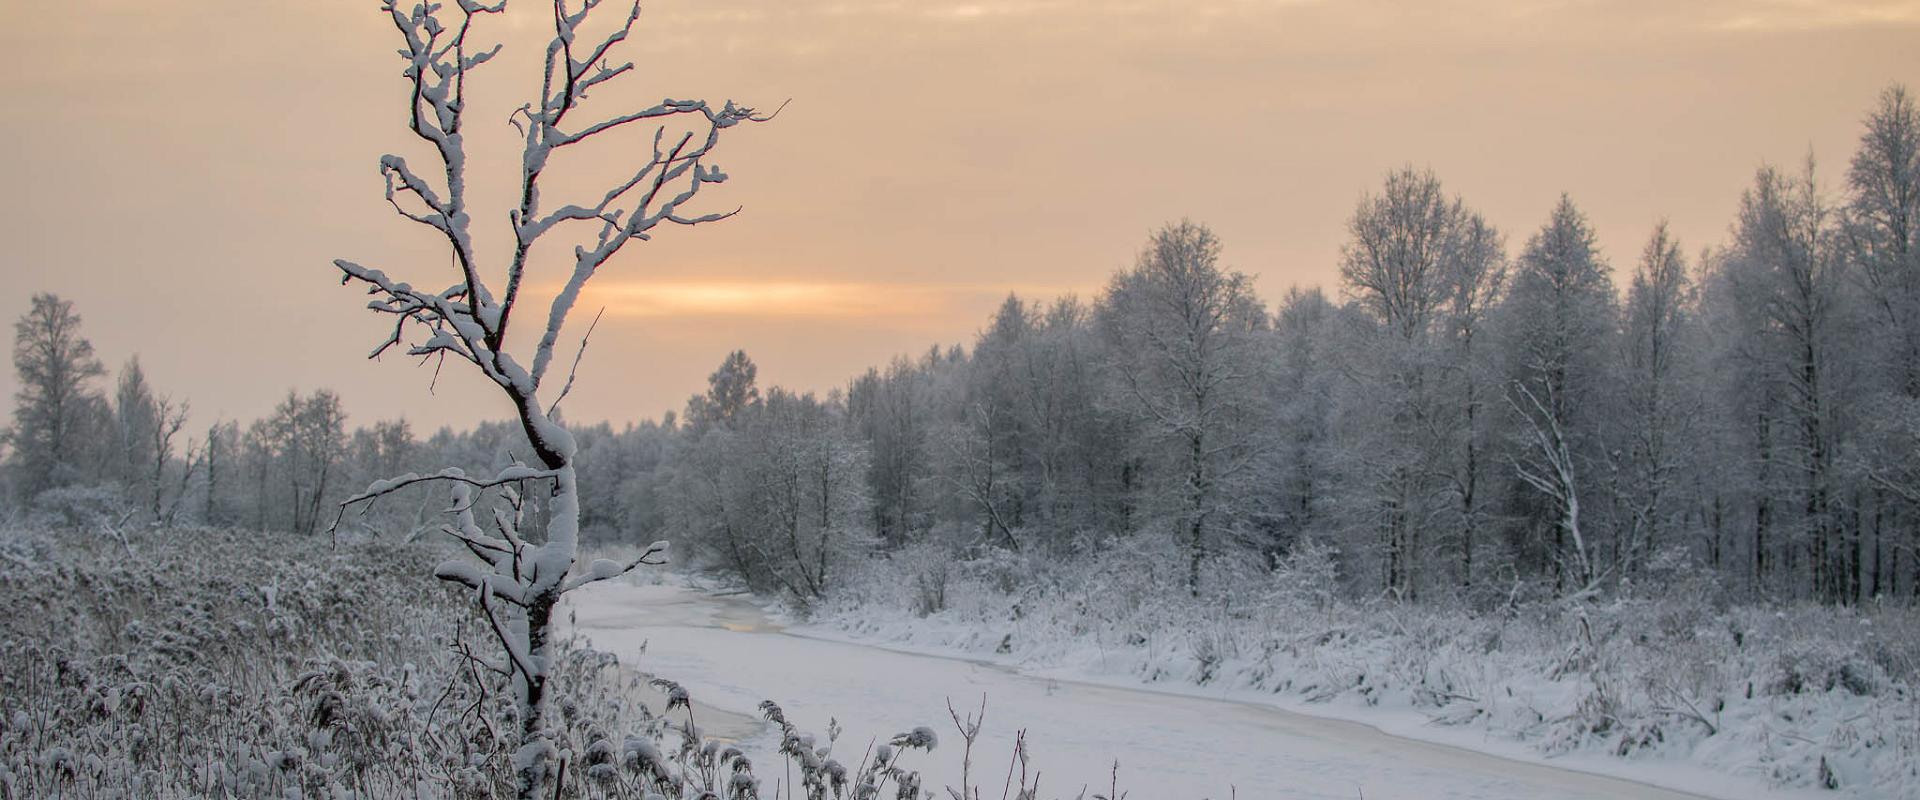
185, 173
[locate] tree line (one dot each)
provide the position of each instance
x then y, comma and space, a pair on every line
1466, 417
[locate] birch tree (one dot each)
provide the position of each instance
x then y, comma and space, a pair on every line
520, 575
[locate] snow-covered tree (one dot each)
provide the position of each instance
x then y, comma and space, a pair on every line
730, 392
522, 574
1661, 405
1881, 229
1560, 319
1422, 268
1009, 444
57, 408
296, 455
1786, 279
1304, 472
220, 454
1477, 276
1055, 375
778, 494
134, 420
892, 410
145, 427
1180, 333
1881, 236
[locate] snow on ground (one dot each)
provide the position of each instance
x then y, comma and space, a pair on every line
1195, 743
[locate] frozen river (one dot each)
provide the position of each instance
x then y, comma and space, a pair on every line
730, 656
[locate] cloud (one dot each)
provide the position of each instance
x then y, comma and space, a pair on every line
1802, 15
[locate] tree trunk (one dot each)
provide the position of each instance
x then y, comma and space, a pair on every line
213, 477
1468, 516
1763, 508
1196, 543
530, 690
532, 761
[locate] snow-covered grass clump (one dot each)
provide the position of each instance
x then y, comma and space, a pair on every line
1801, 696
226, 664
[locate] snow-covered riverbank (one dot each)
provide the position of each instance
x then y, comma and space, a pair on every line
1662, 686
1193, 743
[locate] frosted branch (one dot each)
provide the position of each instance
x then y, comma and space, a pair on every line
604, 569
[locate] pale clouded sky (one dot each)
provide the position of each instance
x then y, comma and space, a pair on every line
186, 172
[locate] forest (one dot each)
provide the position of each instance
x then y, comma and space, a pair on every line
1469, 416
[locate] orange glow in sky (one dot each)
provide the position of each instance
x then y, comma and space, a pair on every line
186, 172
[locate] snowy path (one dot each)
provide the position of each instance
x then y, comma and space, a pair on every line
730, 656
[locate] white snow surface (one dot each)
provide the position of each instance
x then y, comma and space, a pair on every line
1190, 742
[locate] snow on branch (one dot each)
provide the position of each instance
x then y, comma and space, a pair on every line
666, 182
603, 568
466, 320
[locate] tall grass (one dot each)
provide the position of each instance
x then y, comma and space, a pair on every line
229, 664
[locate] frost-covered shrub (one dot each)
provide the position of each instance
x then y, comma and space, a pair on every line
1306, 576
80, 507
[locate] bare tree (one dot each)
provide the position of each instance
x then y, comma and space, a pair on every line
303, 444
519, 582
169, 418
891, 410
